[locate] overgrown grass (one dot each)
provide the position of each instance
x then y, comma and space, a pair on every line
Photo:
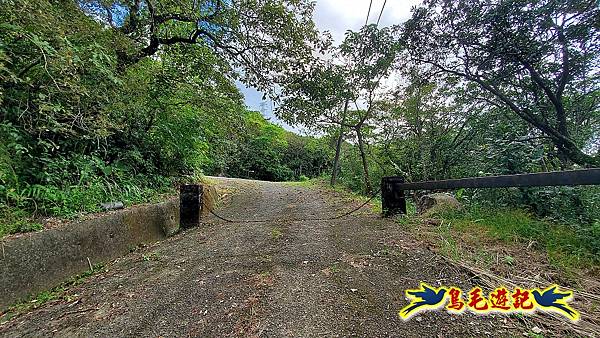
22, 211
14, 221
564, 244
449, 247
71, 200
306, 183
37, 300
353, 195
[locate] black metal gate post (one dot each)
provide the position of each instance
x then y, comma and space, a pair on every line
392, 198
190, 205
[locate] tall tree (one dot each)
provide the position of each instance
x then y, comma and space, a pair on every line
318, 97
369, 54
426, 127
537, 58
260, 37
322, 93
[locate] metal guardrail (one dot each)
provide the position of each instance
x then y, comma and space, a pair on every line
393, 187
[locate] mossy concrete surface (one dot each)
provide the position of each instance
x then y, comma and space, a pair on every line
34, 262
210, 197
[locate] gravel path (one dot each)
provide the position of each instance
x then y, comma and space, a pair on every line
276, 279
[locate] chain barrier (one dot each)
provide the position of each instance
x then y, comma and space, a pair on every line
228, 220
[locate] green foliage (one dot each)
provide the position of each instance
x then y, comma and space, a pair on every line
268, 152
260, 39
100, 106
565, 245
87, 119
529, 57
16, 221
578, 206
424, 137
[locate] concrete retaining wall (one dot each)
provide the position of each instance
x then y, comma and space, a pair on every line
38, 261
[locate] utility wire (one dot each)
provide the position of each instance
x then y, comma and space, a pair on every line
369, 12
382, 7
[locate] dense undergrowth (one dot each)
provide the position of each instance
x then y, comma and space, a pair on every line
71, 187
25, 210
81, 123
562, 221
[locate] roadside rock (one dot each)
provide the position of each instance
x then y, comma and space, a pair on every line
432, 203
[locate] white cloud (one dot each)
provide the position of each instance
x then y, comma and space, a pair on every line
338, 16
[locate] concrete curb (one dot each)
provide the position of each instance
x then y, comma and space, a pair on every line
39, 261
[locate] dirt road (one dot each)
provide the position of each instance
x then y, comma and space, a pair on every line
276, 279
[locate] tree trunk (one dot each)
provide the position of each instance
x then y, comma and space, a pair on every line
336, 159
572, 152
560, 136
363, 156
338, 147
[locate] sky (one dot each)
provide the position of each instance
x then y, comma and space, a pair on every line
337, 16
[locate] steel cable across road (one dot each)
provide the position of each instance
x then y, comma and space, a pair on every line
228, 220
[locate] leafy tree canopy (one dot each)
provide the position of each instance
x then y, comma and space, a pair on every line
261, 38
537, 58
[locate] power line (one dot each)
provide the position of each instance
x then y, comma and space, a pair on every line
382, 7
369, 12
